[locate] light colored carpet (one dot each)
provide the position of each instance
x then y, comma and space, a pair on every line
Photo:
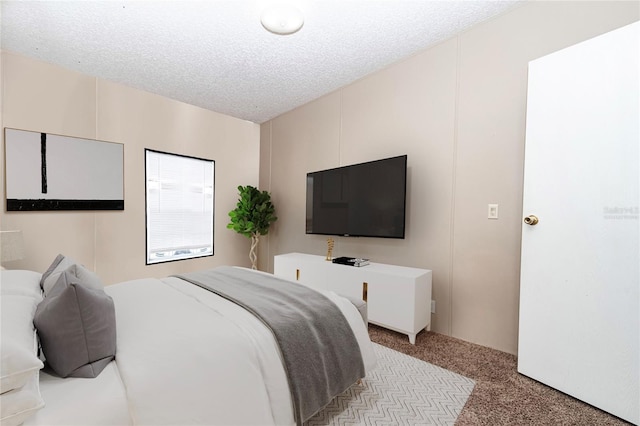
402, 390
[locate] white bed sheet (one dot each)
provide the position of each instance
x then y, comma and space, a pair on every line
79, 402
185, 356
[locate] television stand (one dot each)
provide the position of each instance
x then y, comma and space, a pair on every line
398, 297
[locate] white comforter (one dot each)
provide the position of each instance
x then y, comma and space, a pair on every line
187, 356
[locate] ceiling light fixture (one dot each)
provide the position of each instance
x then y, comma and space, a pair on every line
282, 19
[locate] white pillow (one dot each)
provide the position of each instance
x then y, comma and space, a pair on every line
20, 366
16, 320
18, 347
21, 283
17, 364
16, 406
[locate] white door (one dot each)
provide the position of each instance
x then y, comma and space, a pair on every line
580, 268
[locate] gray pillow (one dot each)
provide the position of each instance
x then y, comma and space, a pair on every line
60, 264
51, 268
76, 325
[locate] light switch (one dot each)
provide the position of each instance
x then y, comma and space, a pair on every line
492, 211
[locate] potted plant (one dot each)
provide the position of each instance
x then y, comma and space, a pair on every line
252, 217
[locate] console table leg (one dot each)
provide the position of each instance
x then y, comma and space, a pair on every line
412, 339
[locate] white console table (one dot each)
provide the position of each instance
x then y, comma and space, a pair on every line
398, 297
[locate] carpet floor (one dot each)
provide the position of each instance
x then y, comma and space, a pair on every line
501, 395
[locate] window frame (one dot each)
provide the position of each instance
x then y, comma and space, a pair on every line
149, 261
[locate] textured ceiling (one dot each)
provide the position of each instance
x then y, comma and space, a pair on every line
215, 54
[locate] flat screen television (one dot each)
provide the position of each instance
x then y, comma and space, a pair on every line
360, 200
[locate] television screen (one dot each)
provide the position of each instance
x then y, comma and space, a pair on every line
361, 200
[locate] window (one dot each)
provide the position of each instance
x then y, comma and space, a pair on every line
179, 198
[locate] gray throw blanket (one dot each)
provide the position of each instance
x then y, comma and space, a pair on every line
319, 350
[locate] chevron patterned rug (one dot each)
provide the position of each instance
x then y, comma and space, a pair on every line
402, 390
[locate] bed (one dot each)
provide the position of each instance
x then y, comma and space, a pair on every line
185, 355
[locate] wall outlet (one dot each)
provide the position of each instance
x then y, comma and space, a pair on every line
492, 211
433, 306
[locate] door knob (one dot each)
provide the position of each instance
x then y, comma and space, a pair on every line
531, 220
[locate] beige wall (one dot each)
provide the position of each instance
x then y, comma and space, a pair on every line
45, 98
458, 111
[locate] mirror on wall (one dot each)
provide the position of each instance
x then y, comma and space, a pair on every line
53, 172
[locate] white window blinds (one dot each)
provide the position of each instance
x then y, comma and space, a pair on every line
180, 206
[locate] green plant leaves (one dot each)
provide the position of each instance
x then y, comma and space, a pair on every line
254, 212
